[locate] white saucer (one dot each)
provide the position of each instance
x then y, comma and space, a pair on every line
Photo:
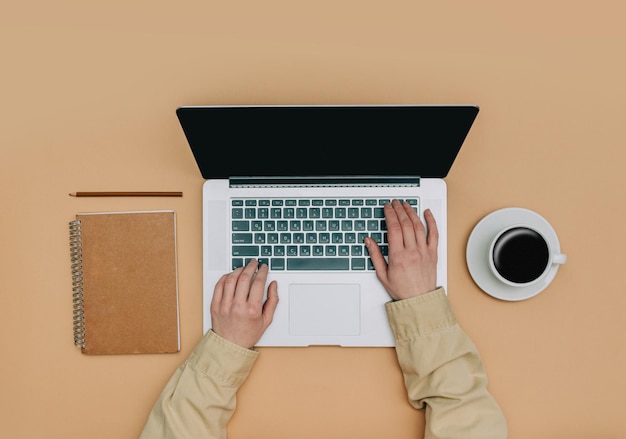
478, 252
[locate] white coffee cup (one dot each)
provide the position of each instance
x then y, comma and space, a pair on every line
520, 255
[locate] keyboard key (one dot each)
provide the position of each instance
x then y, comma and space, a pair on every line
318, 264
277, 263
245, 250
295, 225
358, 263
242, 238
241, 226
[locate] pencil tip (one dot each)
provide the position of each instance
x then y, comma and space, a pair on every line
72, 194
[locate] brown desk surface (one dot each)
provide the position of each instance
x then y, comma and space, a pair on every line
88, 98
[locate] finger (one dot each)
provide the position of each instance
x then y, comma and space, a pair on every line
257, 289
406, 224
433, 231
228, 286
419, 230
270, 305
394, 229
378, 260
244, 283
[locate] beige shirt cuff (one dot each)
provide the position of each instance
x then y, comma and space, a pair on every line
420, 315
225, 362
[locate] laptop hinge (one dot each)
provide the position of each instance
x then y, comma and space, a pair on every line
330, 181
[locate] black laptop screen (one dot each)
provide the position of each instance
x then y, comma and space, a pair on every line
377, 140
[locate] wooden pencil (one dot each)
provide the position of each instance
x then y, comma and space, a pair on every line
126, 194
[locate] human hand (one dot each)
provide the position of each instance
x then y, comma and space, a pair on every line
238, 312
412, 267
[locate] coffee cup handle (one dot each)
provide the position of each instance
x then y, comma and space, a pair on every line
559, 258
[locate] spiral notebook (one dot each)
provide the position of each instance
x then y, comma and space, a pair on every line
125, 282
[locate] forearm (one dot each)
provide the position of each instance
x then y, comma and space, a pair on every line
443, 371
199, 399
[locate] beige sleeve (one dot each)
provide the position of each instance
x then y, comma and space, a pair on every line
443, 372
199, 399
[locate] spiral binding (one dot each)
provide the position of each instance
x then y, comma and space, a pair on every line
76, 255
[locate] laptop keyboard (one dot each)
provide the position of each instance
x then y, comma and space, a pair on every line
308, 234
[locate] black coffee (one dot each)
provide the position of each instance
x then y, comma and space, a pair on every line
520, 255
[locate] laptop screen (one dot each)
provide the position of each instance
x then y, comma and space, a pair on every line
333, 140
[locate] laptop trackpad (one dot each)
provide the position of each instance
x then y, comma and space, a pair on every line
324, 309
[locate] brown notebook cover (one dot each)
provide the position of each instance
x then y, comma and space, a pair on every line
125, 285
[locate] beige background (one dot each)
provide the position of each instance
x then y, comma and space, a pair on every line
88, 93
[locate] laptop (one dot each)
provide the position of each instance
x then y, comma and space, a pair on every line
299, 186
